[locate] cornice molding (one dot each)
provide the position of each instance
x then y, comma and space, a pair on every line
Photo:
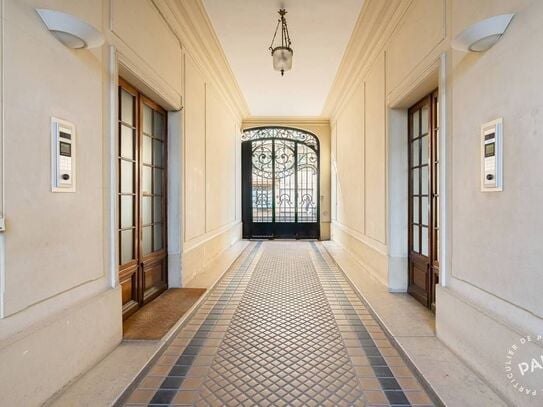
376, 23
292, 120
190, 22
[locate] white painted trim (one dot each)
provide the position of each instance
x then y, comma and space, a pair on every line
111, 161
397, 198
2, 200
191, 244
444, 236
174, 197
255, 121
368, 241
382, 279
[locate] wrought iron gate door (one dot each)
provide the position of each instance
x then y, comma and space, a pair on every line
280, 176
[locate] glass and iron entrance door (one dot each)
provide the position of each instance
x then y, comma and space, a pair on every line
141, 198
280, 177
424, 200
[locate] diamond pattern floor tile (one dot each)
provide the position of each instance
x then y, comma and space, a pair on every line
283, 327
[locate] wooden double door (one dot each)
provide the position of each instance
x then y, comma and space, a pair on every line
141, 198
423, 237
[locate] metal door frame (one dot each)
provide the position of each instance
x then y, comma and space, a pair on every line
277, 230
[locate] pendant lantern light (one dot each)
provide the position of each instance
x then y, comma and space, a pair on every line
282, 54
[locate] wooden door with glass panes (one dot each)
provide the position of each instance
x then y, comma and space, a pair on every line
142, 198
424, 200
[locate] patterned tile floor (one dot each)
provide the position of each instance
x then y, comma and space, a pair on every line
283, 327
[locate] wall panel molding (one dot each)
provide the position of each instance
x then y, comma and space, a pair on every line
138, 49
191, 24
376, 23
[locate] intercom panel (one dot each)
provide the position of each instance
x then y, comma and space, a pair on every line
62, 156
492, 156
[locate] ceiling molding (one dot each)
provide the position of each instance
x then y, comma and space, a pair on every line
375, 25
190, 22
291, 120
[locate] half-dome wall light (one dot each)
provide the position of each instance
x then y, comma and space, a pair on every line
481, 36
282, 54
70, 30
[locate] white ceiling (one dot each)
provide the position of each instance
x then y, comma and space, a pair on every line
319, 30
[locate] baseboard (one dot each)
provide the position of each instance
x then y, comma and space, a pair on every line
375, 262
195, 259
39, 364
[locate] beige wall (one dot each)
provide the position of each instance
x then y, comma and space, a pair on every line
485, 240
44, 252
321, 129
211, 172
496, 257
492, 268
58, 275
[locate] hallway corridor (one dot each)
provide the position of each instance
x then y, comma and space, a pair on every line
282, 327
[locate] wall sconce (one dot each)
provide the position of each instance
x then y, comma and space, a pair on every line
481, 36
70, 30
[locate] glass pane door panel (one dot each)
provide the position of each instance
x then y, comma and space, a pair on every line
262, 181
127, 246
157, 245
416, 125
424, 241
147, 120
147, 150
424, 181
158, 130
285, 181
415, 181
158, 153
158, 182
308, 192
127, 107
157, 209
147, 180
425, 209
424, 120
415, 238
127, 211
147, 210
127, 142
147, 240
416, 210
127, 176
415, 158
425, 152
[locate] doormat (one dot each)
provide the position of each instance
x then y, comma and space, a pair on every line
155, 319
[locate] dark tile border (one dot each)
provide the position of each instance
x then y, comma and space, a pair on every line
389, 384
165, 394
416, 372
123, 397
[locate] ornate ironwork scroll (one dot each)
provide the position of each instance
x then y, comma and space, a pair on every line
284, 176
299, 136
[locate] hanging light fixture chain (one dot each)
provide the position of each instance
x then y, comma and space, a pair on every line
285, 40
275, 34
